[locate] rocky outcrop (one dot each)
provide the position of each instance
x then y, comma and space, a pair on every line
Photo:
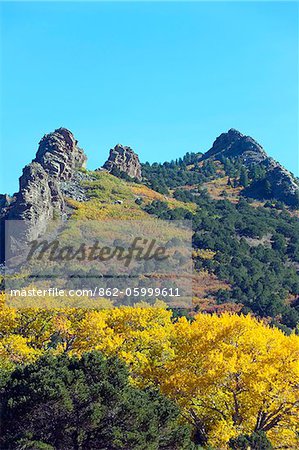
40, 195
74, 188
283, 184
59, 154
124, 159
5, 202
234, 144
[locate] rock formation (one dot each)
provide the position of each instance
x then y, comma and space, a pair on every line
53, 175
59, 154
234, 144
40, 197
124, 159
5, 201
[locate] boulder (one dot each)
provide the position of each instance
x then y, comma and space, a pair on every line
123, 159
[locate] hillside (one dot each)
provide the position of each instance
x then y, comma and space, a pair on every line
241, 159
242, 205
217, 372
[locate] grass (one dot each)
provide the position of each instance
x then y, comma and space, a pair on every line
106, 190
216, 188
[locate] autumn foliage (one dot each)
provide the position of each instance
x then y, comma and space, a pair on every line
230, 375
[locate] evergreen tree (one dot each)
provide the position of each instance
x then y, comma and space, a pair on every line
267, 189
76, 404
244, 177
255, 441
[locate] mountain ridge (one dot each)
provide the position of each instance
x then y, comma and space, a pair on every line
245, 252
56, 149
52, 174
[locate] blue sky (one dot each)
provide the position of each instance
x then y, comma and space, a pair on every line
164, 78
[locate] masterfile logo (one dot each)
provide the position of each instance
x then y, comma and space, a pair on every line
126, 261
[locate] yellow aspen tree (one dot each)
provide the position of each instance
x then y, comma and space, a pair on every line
234, 375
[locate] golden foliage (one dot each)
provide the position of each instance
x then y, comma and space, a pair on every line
203, 254
106, 191
236, 375
230, 374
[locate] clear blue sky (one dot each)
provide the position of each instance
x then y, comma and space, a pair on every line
164, 78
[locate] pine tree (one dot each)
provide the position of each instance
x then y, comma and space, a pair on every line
268, 189
244, 177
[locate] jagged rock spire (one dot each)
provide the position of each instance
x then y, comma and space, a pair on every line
59, 154
124, 159
57, 159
